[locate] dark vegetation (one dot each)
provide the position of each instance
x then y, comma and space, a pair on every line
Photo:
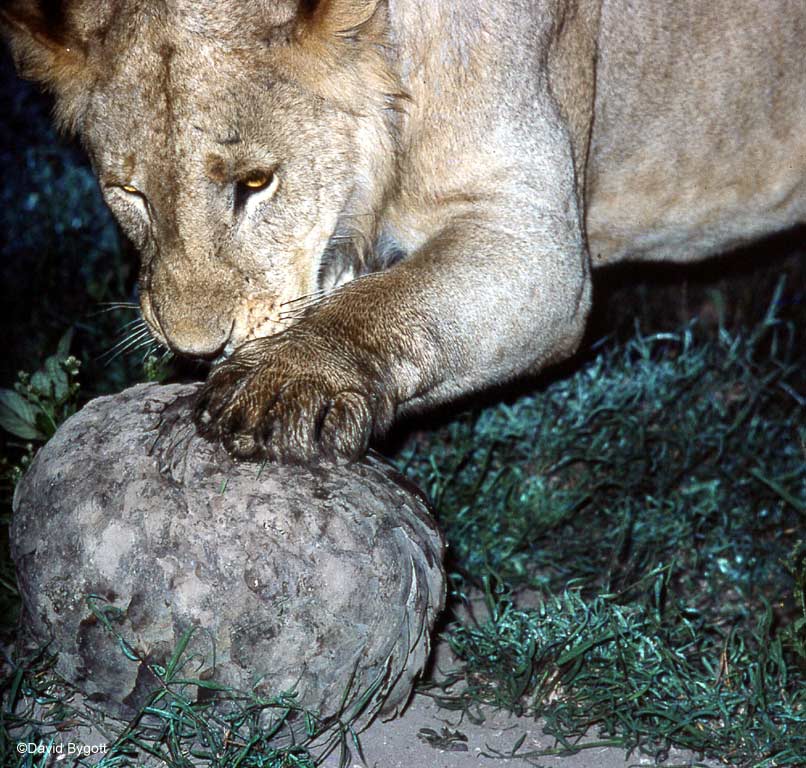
629, 531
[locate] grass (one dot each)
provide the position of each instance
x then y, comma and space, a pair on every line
662, 440
653, 506
186, 721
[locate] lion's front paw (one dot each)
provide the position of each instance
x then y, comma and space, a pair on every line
292, 402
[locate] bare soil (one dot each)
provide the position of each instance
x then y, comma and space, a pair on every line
403, 743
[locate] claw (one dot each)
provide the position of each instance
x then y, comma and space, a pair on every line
281, 403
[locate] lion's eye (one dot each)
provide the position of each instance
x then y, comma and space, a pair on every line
131, 195
257, 180
130, 190
254, 187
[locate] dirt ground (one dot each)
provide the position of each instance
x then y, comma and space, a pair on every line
407, 741
401, 743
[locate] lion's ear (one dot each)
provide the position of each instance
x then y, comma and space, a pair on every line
40, 40
337, 50
340, 18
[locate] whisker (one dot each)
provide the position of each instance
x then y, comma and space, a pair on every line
147, 344
303, 306
313, 295
152, 350
297, 312
292, 316
138, 322
299, 306
126, 343
125, 351
129, 344
136, 335
116, 306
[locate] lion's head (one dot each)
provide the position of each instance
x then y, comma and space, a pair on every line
240, 144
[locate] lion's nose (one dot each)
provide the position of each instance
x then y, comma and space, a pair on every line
193, 316
192, 341
194, 333
191, 329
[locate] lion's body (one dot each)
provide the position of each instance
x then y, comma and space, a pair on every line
699, 140
473, 160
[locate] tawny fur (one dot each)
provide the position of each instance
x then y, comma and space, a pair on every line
443, 178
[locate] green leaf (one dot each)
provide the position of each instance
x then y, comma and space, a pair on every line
15, 688
63, 350
178, 651
58, 377
210, 685
44, 424
127, 650
18, 416
41, 384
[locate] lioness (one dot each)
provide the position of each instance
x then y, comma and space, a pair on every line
357, 208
